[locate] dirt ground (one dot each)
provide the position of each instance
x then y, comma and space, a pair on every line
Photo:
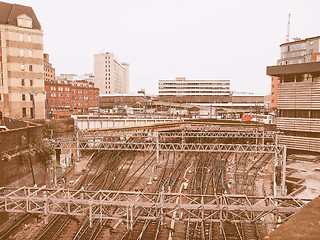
306, 170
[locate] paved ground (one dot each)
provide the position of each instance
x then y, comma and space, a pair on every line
306, 223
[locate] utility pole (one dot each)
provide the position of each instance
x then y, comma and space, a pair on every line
288, 29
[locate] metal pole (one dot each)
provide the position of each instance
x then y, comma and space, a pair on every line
99, 108
157, 141
78, 145
48, 114
283, 173
33, 106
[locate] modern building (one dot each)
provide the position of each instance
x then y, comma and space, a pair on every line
65, 97
194, 91
296, 52
49, 71
298, 101
300, 51
110, 75
21, 62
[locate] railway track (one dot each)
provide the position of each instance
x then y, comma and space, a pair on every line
185, 172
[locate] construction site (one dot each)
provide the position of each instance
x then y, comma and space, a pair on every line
184, 180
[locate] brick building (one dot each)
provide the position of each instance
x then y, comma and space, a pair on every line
65, 97
49, 71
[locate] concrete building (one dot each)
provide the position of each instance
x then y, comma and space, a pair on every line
298, 101
49, 71
65, 97
110, 75
21, 62
87, 77
296, 52
194, 91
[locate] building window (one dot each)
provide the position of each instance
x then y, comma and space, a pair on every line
21, 52
22, 82
24, 112
272, 86
31, 82
31, 97
30, 53
30, 68
23, 97
31, 112
22, 67
272, 93
272, 101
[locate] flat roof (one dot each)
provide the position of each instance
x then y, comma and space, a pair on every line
293, 68
299, 41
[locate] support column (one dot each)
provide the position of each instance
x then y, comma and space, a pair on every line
78, 145
158, 147
283, 172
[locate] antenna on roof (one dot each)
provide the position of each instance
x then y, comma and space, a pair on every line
288, 29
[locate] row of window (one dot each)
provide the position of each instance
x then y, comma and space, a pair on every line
25, 67
24, 112
193, 84
23, 82
305, 77
61, 101
67, 89
299, 113
302, 134
25, 38
24, 97
25, 53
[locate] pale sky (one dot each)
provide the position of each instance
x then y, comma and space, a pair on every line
164, 39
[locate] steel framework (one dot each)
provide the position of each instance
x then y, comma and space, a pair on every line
186, 134
129, 206
153, 146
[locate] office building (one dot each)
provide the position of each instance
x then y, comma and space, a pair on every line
296, 52
110, 75
194, 91
298, 101
21, 62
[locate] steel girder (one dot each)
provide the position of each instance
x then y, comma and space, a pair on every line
129, 206
186, 134
151, 146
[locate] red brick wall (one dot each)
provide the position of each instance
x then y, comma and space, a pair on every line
274, 91
66, 99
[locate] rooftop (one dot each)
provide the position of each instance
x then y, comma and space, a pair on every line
10, 12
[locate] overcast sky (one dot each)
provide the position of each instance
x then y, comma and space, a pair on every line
163, 39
